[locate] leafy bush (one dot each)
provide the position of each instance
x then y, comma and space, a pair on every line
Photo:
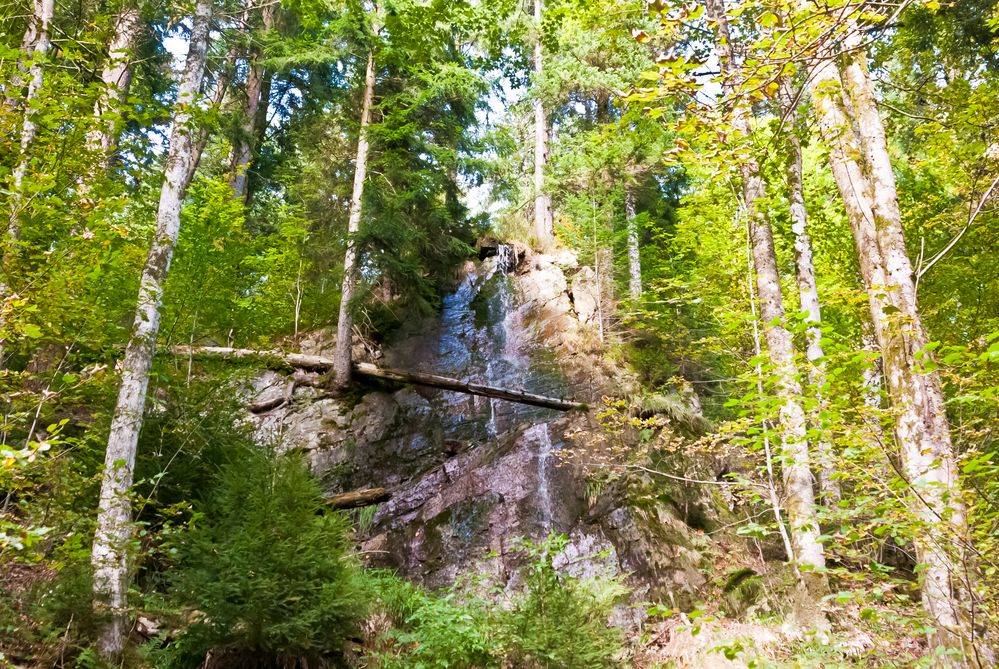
269, 577
555, 621
453, 630
560, 621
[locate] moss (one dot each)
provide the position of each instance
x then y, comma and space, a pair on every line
487, 307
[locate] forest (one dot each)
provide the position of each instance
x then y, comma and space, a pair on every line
540, 334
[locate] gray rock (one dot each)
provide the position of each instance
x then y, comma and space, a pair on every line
469, 475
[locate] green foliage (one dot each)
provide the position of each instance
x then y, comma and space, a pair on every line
552, 621
272, 576
453, 630
559, 621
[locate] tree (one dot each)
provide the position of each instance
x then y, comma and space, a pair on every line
796, 460
110, 555
256, 97
36, 43
866, 180
634, 255
544, 228
116, 80
808, 292
345, 322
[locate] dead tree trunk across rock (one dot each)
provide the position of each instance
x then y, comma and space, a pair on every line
319, 362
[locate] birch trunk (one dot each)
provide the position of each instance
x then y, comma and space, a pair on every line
921, 426
634, 256
257, 94
345, 322
795, 460
862, 169
544, 226
37, 42
36, 37
808, 293
114, 529
116, 79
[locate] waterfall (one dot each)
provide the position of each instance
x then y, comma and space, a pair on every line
541, 435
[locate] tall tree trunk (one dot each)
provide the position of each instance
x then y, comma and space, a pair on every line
863, 173
257, 95
345, 322
808, 292
634, 256
116, 79
34, 43
37, 42
544, 226
795, 458
114, 528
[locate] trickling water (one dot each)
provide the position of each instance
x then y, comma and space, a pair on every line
541, 435
481, 336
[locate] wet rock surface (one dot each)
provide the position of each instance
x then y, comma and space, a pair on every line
468, 475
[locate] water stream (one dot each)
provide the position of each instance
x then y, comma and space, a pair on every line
481, 336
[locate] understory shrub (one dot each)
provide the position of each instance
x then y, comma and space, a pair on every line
554, 620
269, 577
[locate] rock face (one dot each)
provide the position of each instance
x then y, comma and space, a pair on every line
469, 475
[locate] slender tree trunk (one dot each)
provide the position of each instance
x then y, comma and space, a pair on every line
37, 42
345, 322
922, 426
863, 173
116, 79
544, 226
36, 37
872, 383
257, 95
634, 257
114, 528
780, 347
808, 292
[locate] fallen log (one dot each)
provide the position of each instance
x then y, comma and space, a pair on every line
355, 499
371, 371
457, 385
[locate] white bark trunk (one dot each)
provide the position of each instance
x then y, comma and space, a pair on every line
862, 168
634, 256
345, 322
544, 226
36, 35
110, 557
795, 458
37, 42
116, 79
808, 294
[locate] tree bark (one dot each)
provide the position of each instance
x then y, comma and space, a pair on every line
862, 169
114, 529
922, 427
345, 322
116, 79
634, 256
257, 94
808, 292
318, 362
544, 225
357, 498
37, 42
795, 460
36, 35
